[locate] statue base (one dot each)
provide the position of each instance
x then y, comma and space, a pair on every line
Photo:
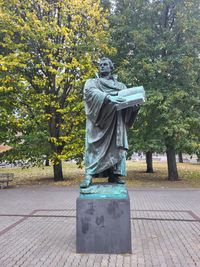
103, 220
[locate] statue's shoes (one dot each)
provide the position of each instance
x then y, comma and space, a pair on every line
86, 182
115, 179
111, 180
119, 181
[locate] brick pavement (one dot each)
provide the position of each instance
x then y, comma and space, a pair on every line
37, 228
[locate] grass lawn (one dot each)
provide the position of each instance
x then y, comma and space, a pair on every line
189, 175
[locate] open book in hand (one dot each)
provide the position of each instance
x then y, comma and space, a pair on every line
134, 96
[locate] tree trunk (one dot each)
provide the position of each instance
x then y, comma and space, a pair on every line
57, 170
180, 157
149, 162
171, 163
47, 161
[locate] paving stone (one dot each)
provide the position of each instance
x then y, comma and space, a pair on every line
165, 230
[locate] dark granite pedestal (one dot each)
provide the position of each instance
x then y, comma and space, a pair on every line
103, 220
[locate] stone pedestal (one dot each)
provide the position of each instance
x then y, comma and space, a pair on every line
103, 220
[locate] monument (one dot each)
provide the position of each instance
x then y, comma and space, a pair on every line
103, 210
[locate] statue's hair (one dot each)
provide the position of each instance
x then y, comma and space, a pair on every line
109, 60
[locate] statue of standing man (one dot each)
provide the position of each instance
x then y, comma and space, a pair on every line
106, 126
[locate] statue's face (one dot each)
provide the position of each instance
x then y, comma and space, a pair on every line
104, 67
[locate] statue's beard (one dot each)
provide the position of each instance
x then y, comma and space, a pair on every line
104, 74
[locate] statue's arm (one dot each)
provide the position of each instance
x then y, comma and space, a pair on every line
94, 99
130, 115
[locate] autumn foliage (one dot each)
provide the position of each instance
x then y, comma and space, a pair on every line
48, 49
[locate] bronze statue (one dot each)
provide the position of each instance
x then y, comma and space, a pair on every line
109, 112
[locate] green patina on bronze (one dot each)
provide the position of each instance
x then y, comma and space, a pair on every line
106, 126
104, 191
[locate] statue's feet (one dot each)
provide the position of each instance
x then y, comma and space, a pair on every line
111, 179
119, 181
86, 182
115, 179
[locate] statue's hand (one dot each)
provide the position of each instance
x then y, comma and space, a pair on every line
116, 99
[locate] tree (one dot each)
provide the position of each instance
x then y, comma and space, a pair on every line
158, 47
51, 47
145, 135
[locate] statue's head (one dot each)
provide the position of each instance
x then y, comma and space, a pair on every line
105, 66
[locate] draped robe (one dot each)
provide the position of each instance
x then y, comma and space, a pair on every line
106, 128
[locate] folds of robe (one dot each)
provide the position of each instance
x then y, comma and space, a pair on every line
106, 128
